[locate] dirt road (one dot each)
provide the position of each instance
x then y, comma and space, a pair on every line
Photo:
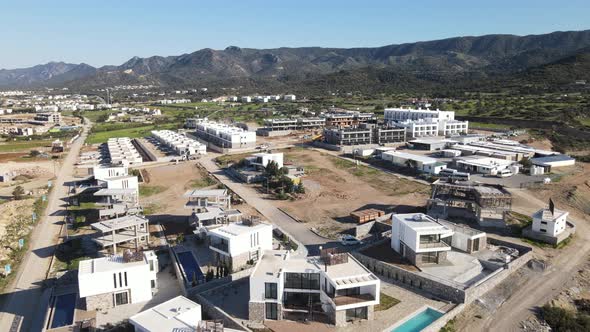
522, 303
298, 230
21, 299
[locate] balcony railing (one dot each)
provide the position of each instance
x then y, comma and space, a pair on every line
352, 299
438, 244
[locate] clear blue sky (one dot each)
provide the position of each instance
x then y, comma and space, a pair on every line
110, 32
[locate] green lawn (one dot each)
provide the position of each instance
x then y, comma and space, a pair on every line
16, 146
146, 191
386, 302
103, 136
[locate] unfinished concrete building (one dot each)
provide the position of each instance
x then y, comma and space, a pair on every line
348, 136
486, 204
111, 233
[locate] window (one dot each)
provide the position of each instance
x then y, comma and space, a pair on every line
151, 265
356, 314
125, 279
429, 257
292, 300
302, 280
153, 282
121, 298
115, 280
120, 280
270, 290
543, 230
432, 238
271, 310
543, 223
348, 291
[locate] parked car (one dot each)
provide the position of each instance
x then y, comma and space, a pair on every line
349, 240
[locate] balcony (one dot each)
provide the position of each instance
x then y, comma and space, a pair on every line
220, 246
437, 244
352, 299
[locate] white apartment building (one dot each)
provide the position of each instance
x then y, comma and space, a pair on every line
113, 281
403, 114
419, 128
261, 160
289, 97
550, 221
427, 122
246, 99
175, 315
236, 244
420, 238
180, 144
52, 117
224, 136
333, 283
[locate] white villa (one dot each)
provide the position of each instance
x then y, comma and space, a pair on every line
236, 244
175, 315
113, 281
334, 284
420, 238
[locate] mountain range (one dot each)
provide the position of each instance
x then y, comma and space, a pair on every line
419, 64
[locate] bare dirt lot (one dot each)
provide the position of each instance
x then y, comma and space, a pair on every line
163, 195
335, 188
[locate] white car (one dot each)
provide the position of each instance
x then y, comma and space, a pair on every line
349, 240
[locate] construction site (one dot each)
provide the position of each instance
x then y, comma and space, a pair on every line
486, 204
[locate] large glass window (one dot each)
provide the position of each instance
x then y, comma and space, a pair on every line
429, 257
292, 300
271, 310
302, 280
356, 314
348, 291
270, 290
429, 238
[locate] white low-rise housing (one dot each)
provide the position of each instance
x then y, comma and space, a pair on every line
414, 161
224, 136
123, 152
420, 238
263, 159
550, 221
237, 244
180, 144
113, 281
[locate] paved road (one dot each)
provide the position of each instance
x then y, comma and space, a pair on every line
522, 303
297, 230
23, 296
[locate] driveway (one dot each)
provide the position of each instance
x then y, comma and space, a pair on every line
22, 297
298, 231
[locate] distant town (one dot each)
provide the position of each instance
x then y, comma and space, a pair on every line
143, 209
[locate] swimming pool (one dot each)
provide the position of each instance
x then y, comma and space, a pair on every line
419, 321
190, 267
63, 310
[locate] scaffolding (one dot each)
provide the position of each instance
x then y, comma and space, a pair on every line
485, 203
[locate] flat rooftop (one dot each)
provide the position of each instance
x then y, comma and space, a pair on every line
111, 263
118, 223
206, 193
411, 156
237, 229
177, 314
421, 222
274, 262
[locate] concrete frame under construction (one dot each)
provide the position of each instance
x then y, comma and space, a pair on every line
486, 204
122, 229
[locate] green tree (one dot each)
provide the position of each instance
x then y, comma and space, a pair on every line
18, 193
